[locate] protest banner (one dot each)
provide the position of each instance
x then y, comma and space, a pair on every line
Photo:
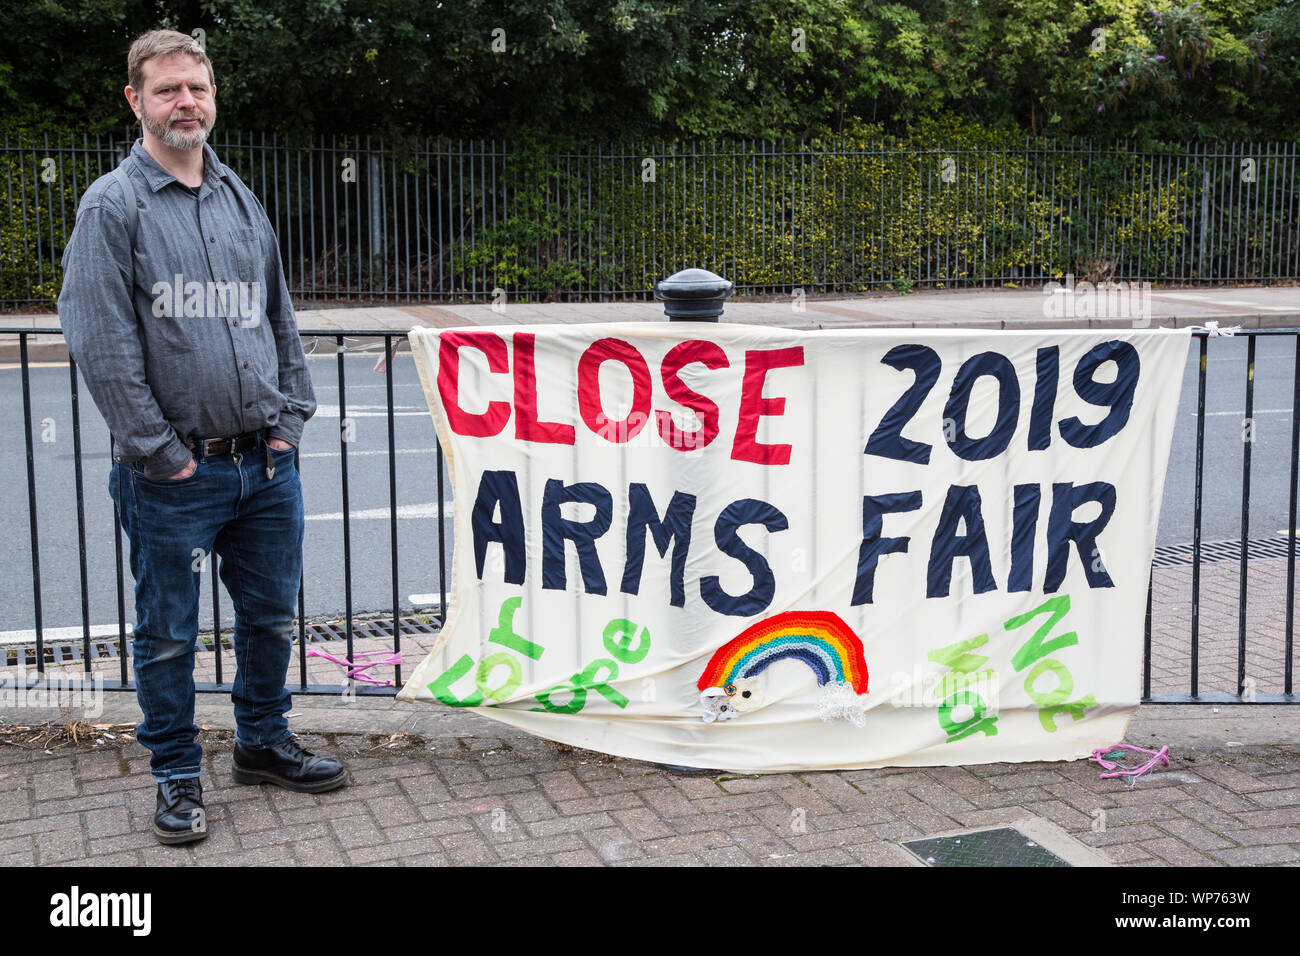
757, 549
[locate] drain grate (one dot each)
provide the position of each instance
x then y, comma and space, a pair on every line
1005, 846
68, 650
62, 652
1212, 552
335, 629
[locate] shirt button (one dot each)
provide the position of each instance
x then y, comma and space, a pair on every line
212, 238
248, 404
234, 322
245, 365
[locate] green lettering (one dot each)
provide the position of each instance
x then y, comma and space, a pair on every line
1047, 716
504, 632
1064, 683
441, 688
956, 656
588, 679
619, 634
954, 681
977, 722
1034, 648
579, 684
512, 682
576, 701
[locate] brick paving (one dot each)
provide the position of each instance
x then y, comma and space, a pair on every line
456, 788
517, 800
1171, 627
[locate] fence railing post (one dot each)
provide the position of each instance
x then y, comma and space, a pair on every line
1205, 217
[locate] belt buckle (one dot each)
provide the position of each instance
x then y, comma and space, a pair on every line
208, 447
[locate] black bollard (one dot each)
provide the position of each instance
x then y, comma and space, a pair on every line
693, 295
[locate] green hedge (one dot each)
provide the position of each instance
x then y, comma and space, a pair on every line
949, 204
37, 210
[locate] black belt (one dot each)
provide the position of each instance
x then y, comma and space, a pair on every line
205, 447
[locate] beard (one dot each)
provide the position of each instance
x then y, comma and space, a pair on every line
180, 139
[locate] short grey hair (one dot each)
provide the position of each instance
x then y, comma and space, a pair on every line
162, 43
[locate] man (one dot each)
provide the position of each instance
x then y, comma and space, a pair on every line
180, 321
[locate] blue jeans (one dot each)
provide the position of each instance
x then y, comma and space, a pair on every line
255, 526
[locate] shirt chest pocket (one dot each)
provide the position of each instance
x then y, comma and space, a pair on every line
246, 250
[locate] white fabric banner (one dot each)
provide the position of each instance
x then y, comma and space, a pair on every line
755, 549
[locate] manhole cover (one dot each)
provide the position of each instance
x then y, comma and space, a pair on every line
1002, 847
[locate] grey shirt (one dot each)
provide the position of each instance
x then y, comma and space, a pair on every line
192, 333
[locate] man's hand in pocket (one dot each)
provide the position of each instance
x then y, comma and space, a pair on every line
185, 472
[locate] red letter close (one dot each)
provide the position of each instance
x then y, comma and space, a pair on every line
527, 427
589, 404
462, 422
678, 357
754, 406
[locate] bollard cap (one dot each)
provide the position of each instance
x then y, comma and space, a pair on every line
693, 294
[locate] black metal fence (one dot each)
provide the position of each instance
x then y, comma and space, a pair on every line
93, 648
440, 219
397, 624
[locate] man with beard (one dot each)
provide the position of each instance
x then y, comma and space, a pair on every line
178, 315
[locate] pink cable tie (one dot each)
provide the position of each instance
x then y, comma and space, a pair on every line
356, 671
1099, 757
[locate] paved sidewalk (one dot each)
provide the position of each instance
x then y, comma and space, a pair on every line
433, 786
1249, 307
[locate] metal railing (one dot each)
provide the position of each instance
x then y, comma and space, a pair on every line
1193, 694
441, 220
42, 655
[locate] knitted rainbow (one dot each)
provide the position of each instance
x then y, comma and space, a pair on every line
818, 638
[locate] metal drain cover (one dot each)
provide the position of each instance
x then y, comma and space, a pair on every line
1002, 847
1257, 549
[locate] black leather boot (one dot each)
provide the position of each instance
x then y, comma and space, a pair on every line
178, 815
288, 765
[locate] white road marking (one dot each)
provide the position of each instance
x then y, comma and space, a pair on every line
380, 451
396, 385
429, 509
1206, 300
59, 634
368, 411
1258, 411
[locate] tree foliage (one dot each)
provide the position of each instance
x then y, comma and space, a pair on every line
605, 68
